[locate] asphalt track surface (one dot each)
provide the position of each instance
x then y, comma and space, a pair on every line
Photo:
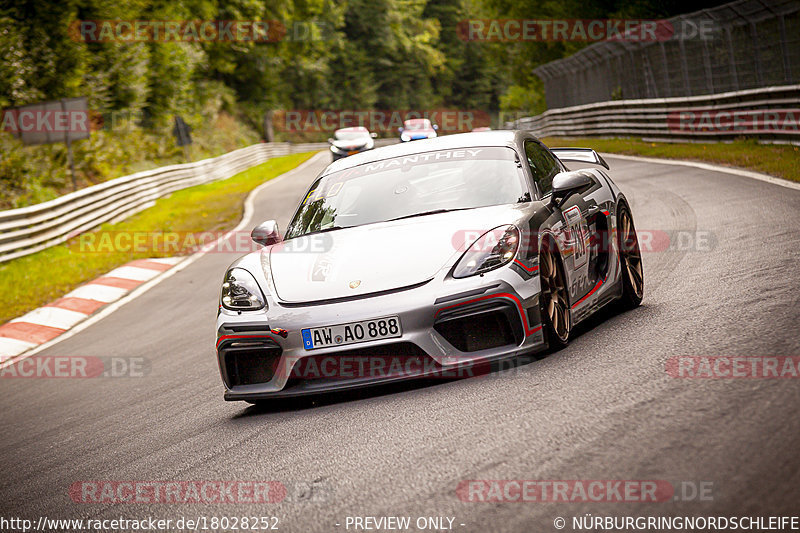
603, 408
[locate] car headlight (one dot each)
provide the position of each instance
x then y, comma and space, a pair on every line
336, 150
431, 135
240, 291
493, 249
405, 137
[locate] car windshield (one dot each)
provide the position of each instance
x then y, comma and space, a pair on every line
350, 135
423, 124
411, 185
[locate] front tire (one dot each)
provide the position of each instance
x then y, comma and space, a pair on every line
630, 260
554, 298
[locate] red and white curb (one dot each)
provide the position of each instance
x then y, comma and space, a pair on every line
46, 323
115, 290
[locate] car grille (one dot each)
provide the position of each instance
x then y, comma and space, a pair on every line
481, 327
249, 362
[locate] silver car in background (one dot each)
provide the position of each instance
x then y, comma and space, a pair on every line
349, 141
426, 259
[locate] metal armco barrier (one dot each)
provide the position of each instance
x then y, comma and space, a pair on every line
770, 114
30, 229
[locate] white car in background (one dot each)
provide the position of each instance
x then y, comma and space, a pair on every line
417, 128
349, 141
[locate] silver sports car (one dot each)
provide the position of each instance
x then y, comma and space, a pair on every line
426, 259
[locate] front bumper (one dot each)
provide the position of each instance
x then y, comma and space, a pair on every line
339, 154
449, 329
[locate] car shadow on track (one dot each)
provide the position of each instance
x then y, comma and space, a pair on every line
284, 405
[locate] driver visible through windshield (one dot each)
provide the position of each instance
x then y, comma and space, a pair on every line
411, 185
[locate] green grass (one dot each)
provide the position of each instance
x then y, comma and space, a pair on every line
33, 174
36, 279
778, 160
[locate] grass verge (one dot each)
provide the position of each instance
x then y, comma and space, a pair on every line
778, 160
34, 280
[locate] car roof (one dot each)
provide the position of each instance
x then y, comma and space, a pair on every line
417, 121
446, 142
352, 129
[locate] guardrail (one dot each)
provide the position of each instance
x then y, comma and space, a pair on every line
30, 229
771, 114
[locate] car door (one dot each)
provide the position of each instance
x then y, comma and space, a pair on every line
568, 220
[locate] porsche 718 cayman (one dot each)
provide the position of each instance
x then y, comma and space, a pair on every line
416, 258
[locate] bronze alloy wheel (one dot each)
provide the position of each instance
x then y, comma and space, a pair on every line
556, 316
630, 258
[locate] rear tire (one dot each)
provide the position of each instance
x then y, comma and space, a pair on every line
554, 298
630, 260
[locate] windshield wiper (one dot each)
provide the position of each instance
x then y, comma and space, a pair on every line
424, 213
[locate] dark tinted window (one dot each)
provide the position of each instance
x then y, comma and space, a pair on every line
543, 166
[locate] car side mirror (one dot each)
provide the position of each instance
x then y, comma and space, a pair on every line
373, 135
266, 233
565, 184
399, 130
330, 140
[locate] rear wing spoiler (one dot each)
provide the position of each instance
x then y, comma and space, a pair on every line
579, 155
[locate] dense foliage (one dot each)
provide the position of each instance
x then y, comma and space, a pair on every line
362, 54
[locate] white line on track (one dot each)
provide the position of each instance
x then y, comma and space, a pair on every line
249, 212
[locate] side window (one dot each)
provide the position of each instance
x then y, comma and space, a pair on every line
543, 166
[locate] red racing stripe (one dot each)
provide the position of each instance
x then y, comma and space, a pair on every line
527, 268
597, 286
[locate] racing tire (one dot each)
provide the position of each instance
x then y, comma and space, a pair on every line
630, 260
554, 298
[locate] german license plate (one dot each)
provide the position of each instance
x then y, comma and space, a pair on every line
352, 333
